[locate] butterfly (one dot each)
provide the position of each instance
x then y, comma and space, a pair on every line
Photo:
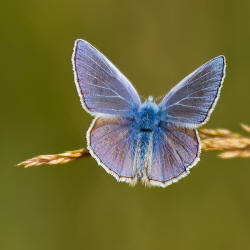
156, 144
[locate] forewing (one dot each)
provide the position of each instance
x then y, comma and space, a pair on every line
175, 151
190, 102
112, 143
102, 88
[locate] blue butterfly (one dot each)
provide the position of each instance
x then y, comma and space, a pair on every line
133, 141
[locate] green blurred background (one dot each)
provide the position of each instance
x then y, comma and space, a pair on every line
79, 206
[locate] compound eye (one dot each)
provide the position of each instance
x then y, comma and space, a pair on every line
159, 124
147, 130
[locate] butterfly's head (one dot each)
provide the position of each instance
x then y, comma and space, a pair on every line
148, 116
150, 99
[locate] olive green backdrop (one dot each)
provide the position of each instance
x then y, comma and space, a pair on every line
78, 205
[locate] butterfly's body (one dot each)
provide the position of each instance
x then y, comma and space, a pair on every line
153, 143
147, 123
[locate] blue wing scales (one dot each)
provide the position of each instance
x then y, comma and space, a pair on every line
112, 142
190, 102
175, 151
102, 88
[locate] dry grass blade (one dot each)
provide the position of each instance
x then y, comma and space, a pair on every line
245, 127
210, 133
55, 159
233, 144
223, 143
235, 153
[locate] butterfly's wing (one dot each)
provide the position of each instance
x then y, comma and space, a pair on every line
102, 88
112, 142
175, 150
190, 103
